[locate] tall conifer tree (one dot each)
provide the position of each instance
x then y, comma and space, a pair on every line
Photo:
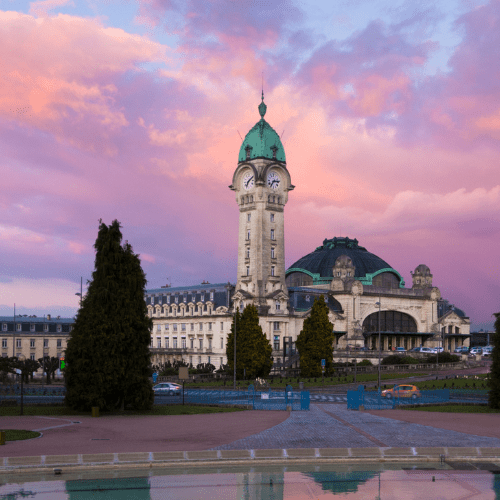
494, 395
108, 356
315, 341
253, 349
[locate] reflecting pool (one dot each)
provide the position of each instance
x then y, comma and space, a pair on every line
358, 481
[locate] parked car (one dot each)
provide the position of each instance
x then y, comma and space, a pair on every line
427, 350
415, 349
487, 350
462, 350
167, 388
402, 391
401, 350
475, 350
439, 349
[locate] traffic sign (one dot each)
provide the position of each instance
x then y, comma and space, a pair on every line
323, 362
155, 376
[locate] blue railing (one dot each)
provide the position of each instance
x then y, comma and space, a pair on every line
258, 400
375, 400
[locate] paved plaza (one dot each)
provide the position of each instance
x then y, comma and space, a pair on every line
334, 426
324, 426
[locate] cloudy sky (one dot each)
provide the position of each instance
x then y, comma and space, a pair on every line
389, 111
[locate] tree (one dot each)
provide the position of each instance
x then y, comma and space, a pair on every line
108, 361
315, 341
253, 349
494, 381
49, 366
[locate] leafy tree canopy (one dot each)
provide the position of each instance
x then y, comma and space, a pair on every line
108, 356
315, 341
494, 396
253, 349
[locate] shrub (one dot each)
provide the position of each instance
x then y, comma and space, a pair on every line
395, 359
365, 362
442, 357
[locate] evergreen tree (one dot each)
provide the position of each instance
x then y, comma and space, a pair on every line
494, 381
253, 349
108, 358
315, 341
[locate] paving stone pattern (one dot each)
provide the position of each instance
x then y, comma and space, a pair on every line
317, 429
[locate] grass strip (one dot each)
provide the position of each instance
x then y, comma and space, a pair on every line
308, 382
19, 434
171, 409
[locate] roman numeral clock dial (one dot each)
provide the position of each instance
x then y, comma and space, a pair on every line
273, 180
248, 181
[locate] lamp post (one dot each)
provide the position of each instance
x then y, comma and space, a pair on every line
22, 359
234, 374
379, 304
81, 291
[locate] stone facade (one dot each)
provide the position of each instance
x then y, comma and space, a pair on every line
357, 285
35, 337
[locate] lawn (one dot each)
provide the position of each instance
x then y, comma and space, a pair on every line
452, 408
18, 435
51, 411
455, 383
308, 382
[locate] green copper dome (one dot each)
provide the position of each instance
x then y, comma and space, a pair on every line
262, 141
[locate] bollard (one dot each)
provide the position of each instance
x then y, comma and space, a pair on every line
95, 411
2, 437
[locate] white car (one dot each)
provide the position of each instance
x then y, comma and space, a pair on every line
167, 388
475, 350
426, 350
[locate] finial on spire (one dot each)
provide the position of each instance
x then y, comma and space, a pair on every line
262, 105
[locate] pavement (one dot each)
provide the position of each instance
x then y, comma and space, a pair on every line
325, 427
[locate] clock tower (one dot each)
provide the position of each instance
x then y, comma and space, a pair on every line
261, 182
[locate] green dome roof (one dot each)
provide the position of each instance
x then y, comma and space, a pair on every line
262, 141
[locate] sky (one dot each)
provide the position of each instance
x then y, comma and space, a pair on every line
389, 112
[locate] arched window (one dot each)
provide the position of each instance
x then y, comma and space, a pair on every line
390, 321
386, 280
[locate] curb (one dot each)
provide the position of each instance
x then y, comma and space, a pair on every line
243, 457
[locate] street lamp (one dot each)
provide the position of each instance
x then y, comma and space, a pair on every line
22, 358
234, 374
80, 294
379, 305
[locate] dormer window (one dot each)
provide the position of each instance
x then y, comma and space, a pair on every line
308, 298
248, 151
274, 149
185, 298
176, 299
152, 301
212, 296
168, 299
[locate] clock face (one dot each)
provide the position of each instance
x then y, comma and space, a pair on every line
248, 180
273, 180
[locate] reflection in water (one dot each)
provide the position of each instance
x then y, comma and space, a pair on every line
259, 483
111, 489
341, 482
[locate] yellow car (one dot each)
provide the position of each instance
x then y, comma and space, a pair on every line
402, 391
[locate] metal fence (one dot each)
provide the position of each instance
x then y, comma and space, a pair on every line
372, 400
258, 400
